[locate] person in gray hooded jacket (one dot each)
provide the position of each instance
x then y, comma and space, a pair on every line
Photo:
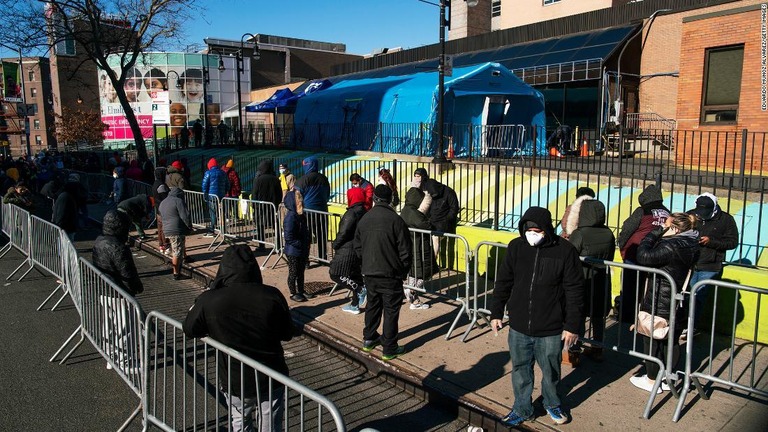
177, 223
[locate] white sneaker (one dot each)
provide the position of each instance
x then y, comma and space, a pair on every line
418, 306
642, 382
109, 366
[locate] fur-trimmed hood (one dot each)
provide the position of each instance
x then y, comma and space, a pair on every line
573, 215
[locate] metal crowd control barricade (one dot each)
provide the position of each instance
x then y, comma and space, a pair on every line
99, 185
46, 251
252, 221
200, 213
323, 227
183, 384
488, 259
113, 321
736, 367
72, 275
18, 221
441, 266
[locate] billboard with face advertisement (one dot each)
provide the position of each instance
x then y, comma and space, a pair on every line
183, 76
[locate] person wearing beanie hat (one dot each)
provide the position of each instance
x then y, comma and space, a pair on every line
718, 234
651, 214
383, 244
243, 313
345, 265
174, 176
215, 186
233, 179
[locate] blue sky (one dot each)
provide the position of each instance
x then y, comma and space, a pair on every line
363, 25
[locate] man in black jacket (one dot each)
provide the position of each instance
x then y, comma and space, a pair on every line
65, 210
718, 234
383, 243
443, 215
137, 209
540, 283
266, 187
241, 312
112, 257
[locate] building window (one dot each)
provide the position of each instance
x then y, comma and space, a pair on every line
31, 110
495, 8
549, 2
37, 124
38, 140
31, 75
722, 84
33, 91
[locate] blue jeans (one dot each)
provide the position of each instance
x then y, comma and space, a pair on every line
213, 212
547, 352
701, 294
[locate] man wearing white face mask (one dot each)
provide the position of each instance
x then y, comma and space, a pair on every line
540, 283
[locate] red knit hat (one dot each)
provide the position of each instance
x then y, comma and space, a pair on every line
177, 165
212, 163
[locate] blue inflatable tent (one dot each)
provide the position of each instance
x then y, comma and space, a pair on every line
398, 113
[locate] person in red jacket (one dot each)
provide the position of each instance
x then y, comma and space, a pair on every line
234, 179
366, 186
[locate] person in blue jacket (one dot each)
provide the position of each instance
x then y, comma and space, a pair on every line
297, 241
214, 183
316, 190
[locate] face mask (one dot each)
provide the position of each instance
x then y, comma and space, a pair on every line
114, 175
282, 170
534, 238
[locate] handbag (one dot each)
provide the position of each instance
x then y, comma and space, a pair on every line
654, 327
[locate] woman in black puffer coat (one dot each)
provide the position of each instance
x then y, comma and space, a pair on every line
414, 213
345, 266
675, 250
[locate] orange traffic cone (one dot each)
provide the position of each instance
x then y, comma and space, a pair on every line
450, 149
584, 150
554, 152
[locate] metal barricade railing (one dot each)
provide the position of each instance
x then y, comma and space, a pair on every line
7, 227
113, 321
18, 221
736, 366
184, 386
441, 266
46, 251
198, 209
323, 227
488, 259
99, 185
252, 221
74, 289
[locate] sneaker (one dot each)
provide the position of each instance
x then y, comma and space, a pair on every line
354, 310
398, 352
362, 298
166, 251
513, 419
109, 366
308, 295
642, 382
177, 276
209, 235
369, 345
419, 306
557, 415
298, 298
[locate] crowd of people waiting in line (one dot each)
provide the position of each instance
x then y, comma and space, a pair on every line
541, 284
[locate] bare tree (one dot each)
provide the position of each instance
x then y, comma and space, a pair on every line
103, 30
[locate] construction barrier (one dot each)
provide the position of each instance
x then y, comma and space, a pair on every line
436, 257
253, 222
728, 361
185, 388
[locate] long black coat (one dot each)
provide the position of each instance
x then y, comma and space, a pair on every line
424, 262
345, 262
675, 255
113, 257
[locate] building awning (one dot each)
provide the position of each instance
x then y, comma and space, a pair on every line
574, 57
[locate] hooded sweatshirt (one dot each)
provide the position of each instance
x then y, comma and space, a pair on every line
295, 229
175, 213
723, 235
413, 213
266, 185
234, 180
541, 286
246, 315
175, 177
592, 238
112, 255
444, 211
650, 215
314, 186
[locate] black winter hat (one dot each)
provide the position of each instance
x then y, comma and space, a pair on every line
382, 193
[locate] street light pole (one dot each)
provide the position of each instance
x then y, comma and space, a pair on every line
439, 156
240, 69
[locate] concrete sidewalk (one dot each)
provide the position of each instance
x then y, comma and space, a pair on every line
477, 373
